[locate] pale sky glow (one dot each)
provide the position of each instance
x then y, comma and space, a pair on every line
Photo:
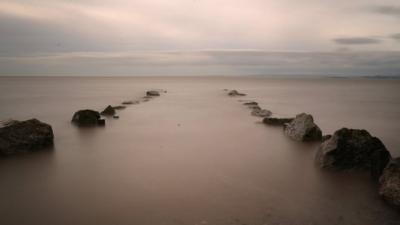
47, 36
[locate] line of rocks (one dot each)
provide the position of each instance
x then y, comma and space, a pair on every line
33, 135
89, 117
346, 149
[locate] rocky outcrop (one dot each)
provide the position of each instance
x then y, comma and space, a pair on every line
261, 112
234, 93
87, 117
390, 183
152, 93
108, 111
303, 128
25, 136
353, 149
277, 121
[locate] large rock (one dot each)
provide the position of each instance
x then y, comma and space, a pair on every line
303, 128
390, 183
24, 136
353, 149
277, 121
152, 93
87, 117
235, 93
108, 111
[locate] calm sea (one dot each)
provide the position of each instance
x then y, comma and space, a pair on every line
194, 155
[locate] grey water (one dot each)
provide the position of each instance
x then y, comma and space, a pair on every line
193, 155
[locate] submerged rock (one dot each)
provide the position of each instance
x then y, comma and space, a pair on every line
87, 117
119, 107
130, 102
390, 183
235, 93
152, 93
25, 136
250, 103
303, 128
261, 112
353, 149
108, 111
277, 121
326, 137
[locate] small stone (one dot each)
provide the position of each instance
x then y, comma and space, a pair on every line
235, 93
261, 112
108, 111
276, 121
152, 93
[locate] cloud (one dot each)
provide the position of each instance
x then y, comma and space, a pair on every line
390, 10
357, 41
396, 36
207, 62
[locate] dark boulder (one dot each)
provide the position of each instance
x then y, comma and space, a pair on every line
152, 93
87, 117
390, 183
261, 112
276, 121
235, 93
108, 111
25, 136
353, 149
303, 128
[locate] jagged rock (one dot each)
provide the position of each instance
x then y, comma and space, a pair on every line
276, 121
152, 93
235, 93
390, 183
353, 149
87, 117
303, 128
119, 107
108, 111
25, 136
261, 112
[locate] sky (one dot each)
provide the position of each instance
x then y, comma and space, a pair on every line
199, 37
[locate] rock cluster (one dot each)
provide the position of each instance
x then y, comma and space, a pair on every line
24, 136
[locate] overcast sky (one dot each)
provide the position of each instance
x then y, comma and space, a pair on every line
195, 37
